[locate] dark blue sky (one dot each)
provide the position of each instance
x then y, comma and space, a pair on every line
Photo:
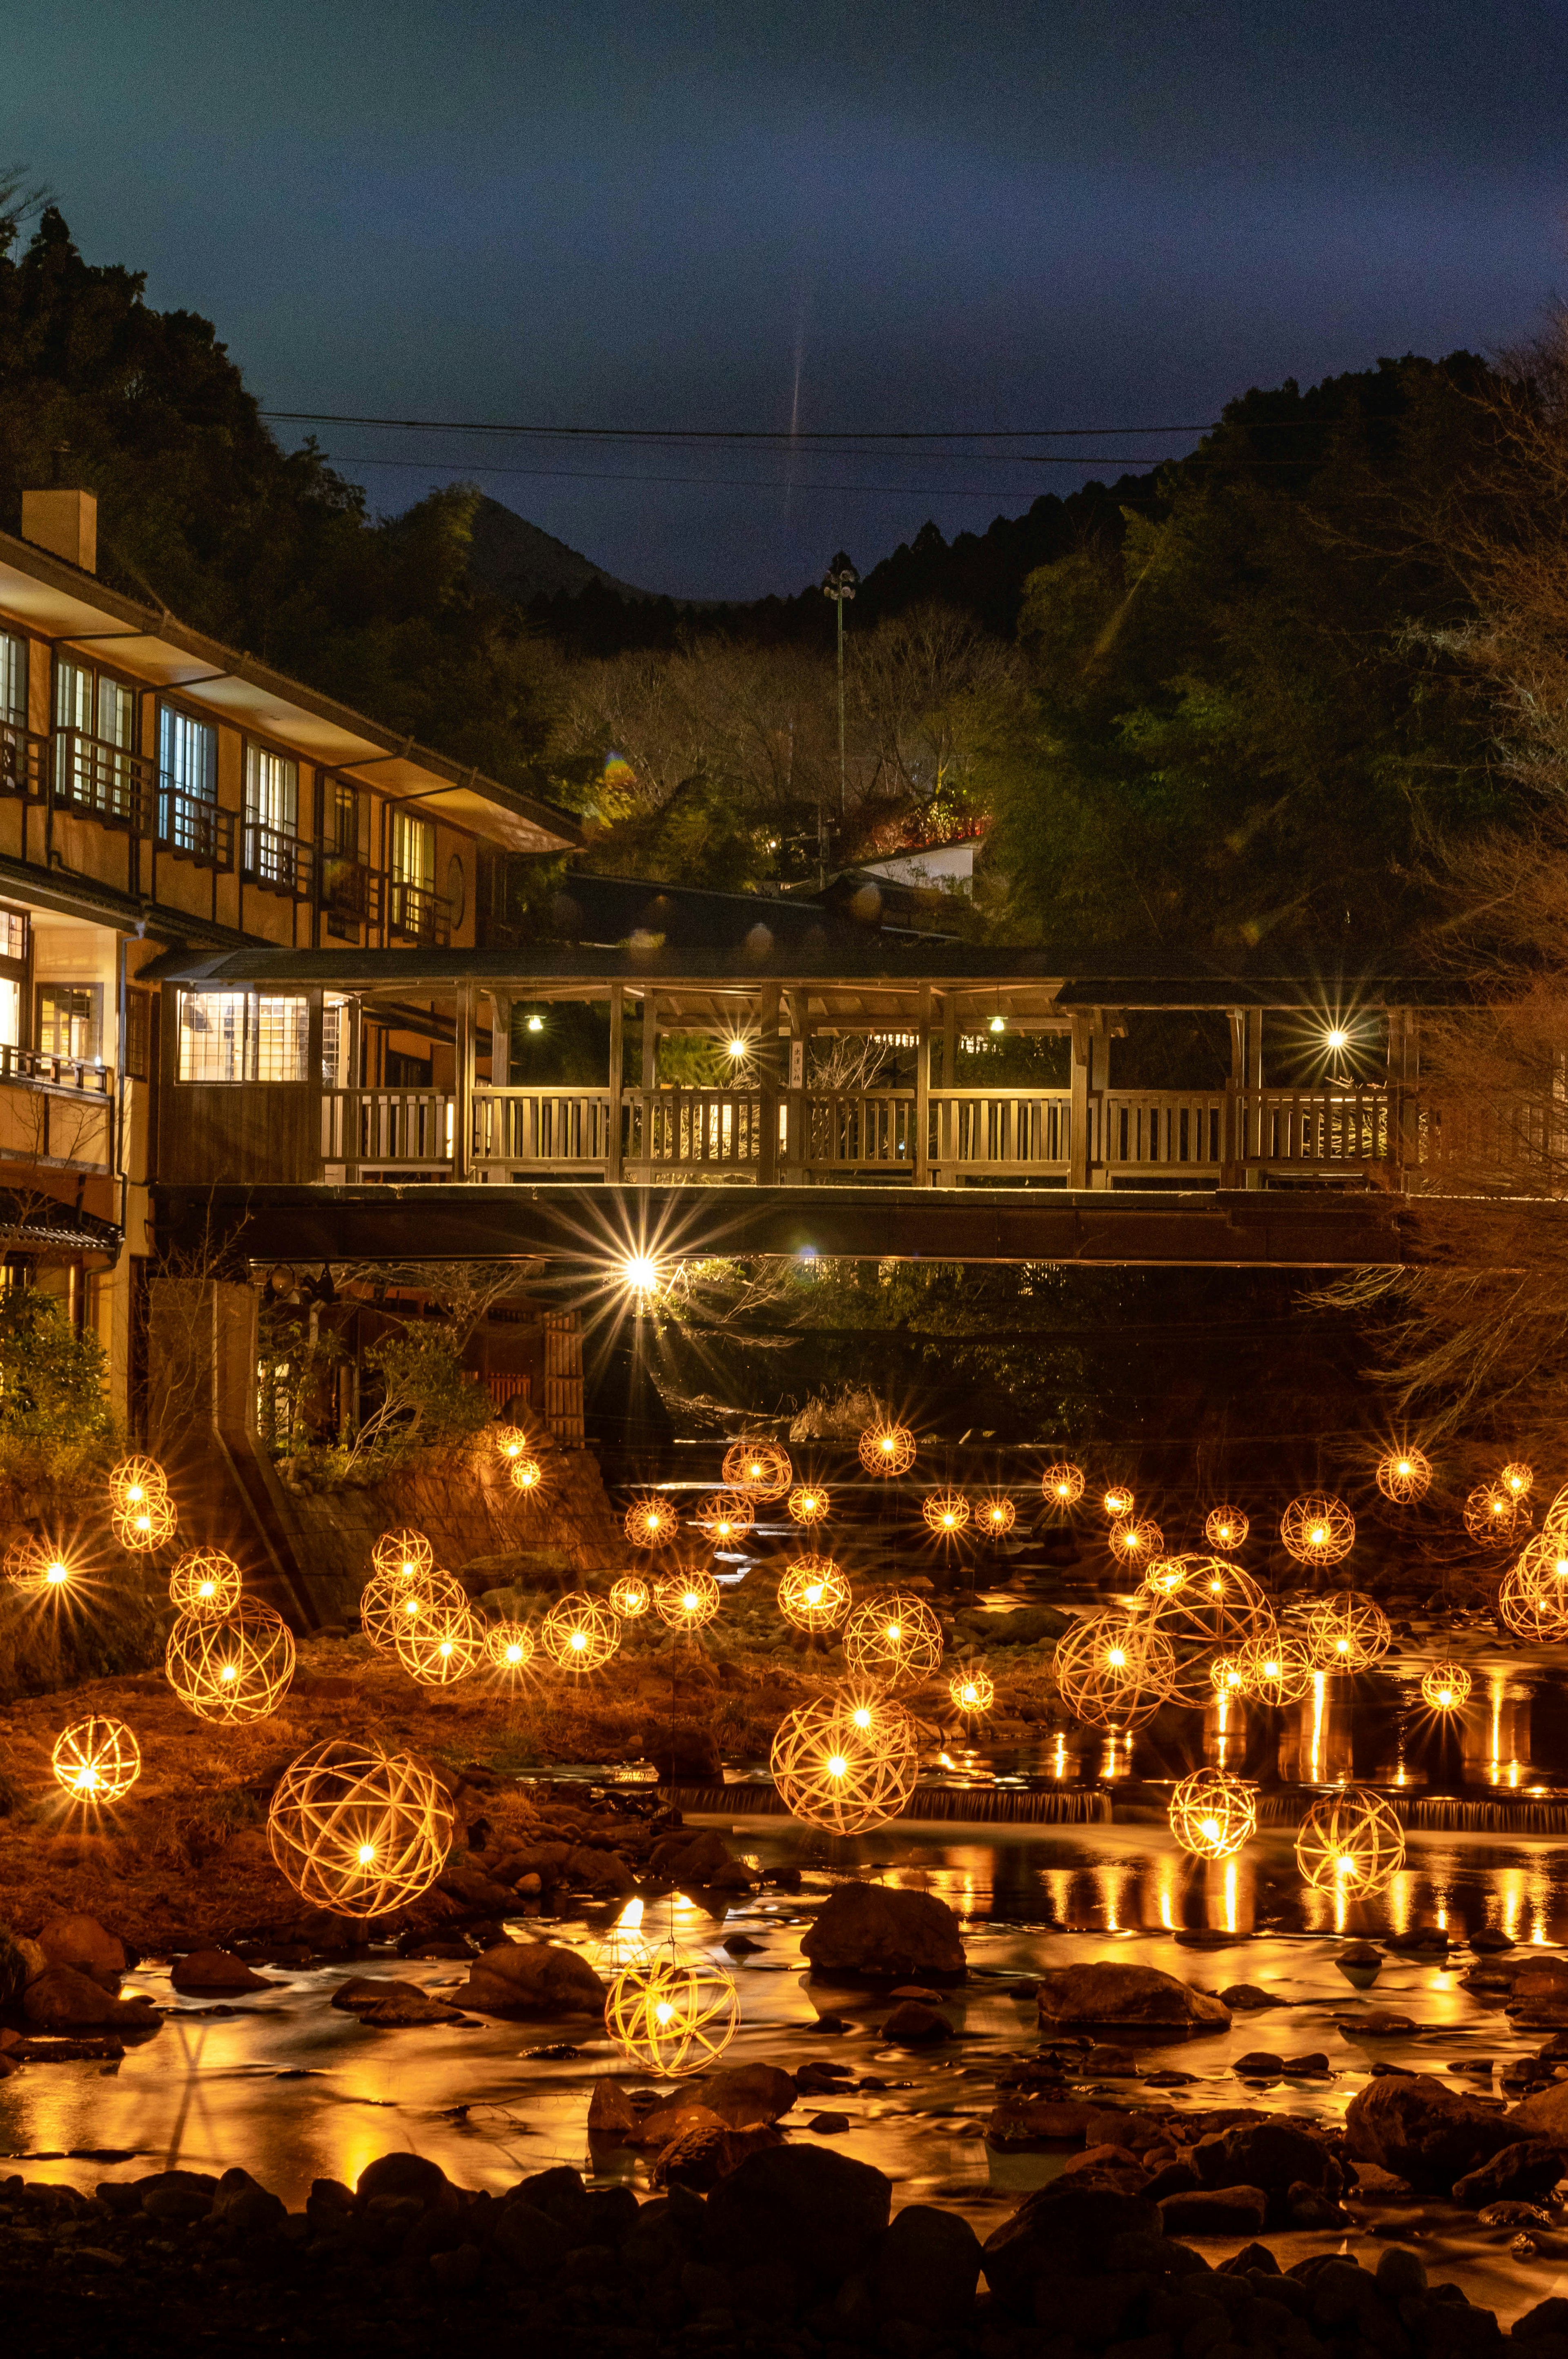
1121, 212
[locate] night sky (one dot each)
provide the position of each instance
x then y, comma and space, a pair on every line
849, 213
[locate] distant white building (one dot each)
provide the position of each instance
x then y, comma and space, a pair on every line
948, 868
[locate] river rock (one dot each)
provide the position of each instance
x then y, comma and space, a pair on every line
1531, 2168
1247, 1998
610, 2114
1412, 2126
684, 1755
1065, 2226
926, 2268
1360, 1963
1264, 2153
914, 2026
1021, 2121
1375, 2185
214, 1970
1543, 2116
1215, 2212
740, 2094
1105, 1990
177, 2196
62, 2000
82, 1942
369, 1990
806, 2208
691, 1855
522, 1978
403, 2011
411, 2176
879, 1931
243, 2204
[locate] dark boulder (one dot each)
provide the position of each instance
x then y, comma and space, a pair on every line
914, 2026
1105, 1990
1264, 2153
1412, 2126
926, 2268
1215, 2212
80, 1942
62, 2000
804, 2208
524, 1978
740, 2094
1067, 2226
207, 1971
406, 2176
877, 1930
1531, 2168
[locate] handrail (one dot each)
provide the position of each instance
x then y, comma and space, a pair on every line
418, 915
101, 781
75, 1076
24, 762
192, 828
276, 862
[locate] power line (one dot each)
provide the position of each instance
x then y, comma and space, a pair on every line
735, 483
726, 433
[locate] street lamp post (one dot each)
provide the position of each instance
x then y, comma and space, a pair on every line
840, 581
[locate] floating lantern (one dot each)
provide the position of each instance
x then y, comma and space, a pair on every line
808, 1504
1227, 1676
389, 1603
509, 1645
893, 1638
672, 2013
1517, 1478
96, 1759
579, 1633
972, 1691
1404, 1476
402, 1555
358, 1830
687, 1601
1556, 1516
1350, 1844
1118, 1502
1213, 1814
441, 1646
887, 1448
629, 1596
526, 1475
205, 1581
846, 1761
760, 1469
147, 1525
945, 1513
1062, 1485
1447, 1686
814, 1593
1347, 1632
511, 1443
1114, 1670
1225, 1527
1136, 1542
133, 1482
231, 1667
1495, 1516
1533, 1599
996, 1515
1205, 1602
1276, 1666
724, 1517
1317, 1530
39, 1566
651, 1522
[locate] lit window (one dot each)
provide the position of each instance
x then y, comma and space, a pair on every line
243, 1036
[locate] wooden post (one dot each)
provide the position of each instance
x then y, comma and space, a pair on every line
1233, 1145
500, 1040
923, 1088
313, 1044
1078, 1106
947, 1129
617, 1028
1252, 1175
768, 1085
646, 1126
797, 1003
462, 1110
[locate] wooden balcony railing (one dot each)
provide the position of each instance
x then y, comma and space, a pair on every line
193, 829
103, 782
55, 1111
276, 862
24, 763
416, 915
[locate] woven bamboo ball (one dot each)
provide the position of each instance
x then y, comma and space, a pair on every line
972, 1691
441, 1647
725, 1516
509, 1645
1517, 1478
893, 1638
760, 1468
358, 1830
813, 1594
629, 1596
808, 1504
1404, 1476
1227, 1676
996, 1515
1276, 1666
887, 1448
1136, 1541
231, 1667
1116, 1500
1533, 1599
511, 1443
527, 1476
846, 1761
1495, 1516
1225, 1527
652, 1522
39, 1567
1347, 1632
1202, 1600
149, 1526
388, 1604
1062, 1485
96, 1759
687, 1601
579, 1633
1317, 1530
1213, 1814
1350, 1844
1556, 1516
205, 1580
1114, 1670
1447, 1686
133, 1482
945, 1513
401, 1555
672, 2013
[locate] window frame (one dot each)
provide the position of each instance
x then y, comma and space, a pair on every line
251, 1036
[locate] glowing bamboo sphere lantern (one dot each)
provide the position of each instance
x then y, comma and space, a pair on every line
1347, 1632
1495, 1516
579, 1633
651, 1522
1533, 1599
687, 1601
1202, 1600
1117, 1501
133, 1482
972, 1691
359, 1830
629, 1596
1350, 1844
1225, 1527
1404, 1476
808, 1504
1212, 1815
1114, 1670
145, 1526
1276, 1667
996, 1515
1447, 1686
96, 1759
508, 1647
388, 1604
1136, 1541
846, 1761
231, 1667
813, 1594
893, 1638
760, 1468
39, 1566
945, 1512
1062, 1485
1517, 1478
1556, 1516
442, 1646
205, 1580
527, 1476
511, 1443
402, 1554
1227, 1676
1317, 1530
672, 2013
724, 1517
887, 1448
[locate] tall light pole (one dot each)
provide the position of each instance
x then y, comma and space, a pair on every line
842, 581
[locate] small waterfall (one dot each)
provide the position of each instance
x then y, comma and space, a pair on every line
973, 1805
